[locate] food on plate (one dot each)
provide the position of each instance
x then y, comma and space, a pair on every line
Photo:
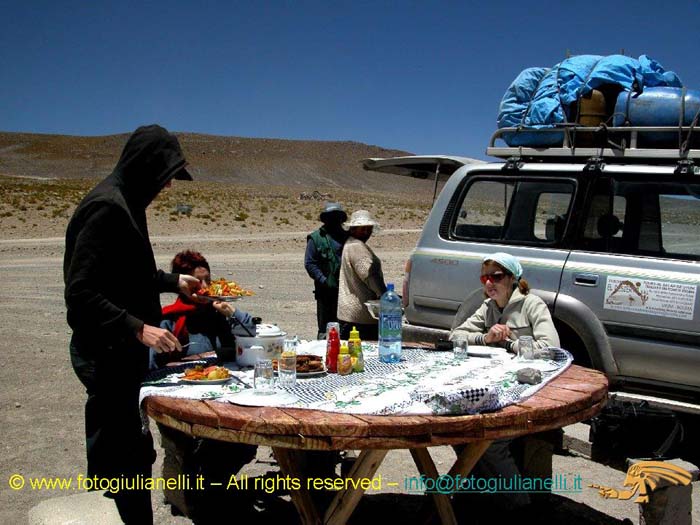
200, 373
223, 288
306, 363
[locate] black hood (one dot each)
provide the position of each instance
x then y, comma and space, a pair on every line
151, 157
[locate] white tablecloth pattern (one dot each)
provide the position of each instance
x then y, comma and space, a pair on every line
424, 382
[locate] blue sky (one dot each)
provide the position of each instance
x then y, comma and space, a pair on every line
426, 77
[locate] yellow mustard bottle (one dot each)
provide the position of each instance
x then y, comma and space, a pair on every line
355, 347
344, 361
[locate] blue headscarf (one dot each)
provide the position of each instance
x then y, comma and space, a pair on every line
508, 262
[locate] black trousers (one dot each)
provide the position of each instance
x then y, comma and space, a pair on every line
326, 307
116, 446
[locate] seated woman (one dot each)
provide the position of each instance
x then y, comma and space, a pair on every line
509, 310
204, 326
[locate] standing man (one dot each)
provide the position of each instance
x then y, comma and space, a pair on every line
112, 296
322, 262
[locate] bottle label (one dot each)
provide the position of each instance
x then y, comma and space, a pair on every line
390, 326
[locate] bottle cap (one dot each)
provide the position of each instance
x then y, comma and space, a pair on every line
344, 349
390, 287
354, 333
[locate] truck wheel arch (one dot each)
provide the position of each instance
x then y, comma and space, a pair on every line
588, 328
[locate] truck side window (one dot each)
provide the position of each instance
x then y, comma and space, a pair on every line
539, 210
483, 211
634, 217
680, 219
530, 211
605, 219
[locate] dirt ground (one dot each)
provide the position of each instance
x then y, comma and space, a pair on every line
41, 413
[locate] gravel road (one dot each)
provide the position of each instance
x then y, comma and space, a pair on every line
41, 414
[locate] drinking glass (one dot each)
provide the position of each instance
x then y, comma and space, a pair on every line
525, 348
460, 349
263, 378
287, 364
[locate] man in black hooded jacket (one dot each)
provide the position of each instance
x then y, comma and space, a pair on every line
112, 297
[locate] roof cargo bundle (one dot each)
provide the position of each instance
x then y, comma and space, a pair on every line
591, 101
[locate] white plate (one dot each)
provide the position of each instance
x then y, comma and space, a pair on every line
539, 364
315, 373
309, 374
204, 381
248, 397
226, 298
483, 351
314, 347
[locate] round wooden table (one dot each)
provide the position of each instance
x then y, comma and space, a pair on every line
575, 395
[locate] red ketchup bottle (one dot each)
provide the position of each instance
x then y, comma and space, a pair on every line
332, 351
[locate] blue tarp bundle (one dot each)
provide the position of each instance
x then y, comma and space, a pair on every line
541, 97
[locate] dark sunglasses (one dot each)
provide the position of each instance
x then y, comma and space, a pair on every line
495, 277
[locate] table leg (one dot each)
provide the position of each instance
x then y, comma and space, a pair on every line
289, 464
463, 465
345, 501
469, 457
426, 467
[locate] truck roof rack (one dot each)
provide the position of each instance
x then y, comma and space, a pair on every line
613, 144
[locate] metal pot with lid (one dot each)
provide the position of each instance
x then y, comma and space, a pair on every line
267, 336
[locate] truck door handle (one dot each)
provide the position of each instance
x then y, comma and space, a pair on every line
586, 279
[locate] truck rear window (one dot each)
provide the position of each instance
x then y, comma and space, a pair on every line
527, 211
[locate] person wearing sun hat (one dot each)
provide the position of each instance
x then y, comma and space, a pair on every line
361, 278
509, 310
324, 247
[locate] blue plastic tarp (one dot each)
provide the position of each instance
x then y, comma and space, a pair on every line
542, 97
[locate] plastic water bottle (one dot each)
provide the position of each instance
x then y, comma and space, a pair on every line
390, 326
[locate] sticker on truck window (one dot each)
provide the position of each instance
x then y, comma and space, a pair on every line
643, 296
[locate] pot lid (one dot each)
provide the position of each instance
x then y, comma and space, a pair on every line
268, 330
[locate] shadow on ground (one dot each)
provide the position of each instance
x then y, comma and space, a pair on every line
258, 506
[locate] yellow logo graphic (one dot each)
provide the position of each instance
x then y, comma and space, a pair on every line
644, 477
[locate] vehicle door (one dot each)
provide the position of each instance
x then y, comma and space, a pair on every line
524, 214
635, 264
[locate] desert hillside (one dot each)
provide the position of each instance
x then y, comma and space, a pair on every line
242, 184
303, 164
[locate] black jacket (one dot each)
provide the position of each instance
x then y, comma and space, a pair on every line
112, 283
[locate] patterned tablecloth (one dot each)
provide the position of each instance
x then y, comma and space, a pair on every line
424, 382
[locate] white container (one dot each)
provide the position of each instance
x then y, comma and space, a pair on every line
267, 336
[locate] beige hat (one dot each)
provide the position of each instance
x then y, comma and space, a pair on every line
361, 218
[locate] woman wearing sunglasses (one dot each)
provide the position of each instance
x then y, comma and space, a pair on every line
509, 310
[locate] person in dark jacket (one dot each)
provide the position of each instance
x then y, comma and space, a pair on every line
112, 289
322, 262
